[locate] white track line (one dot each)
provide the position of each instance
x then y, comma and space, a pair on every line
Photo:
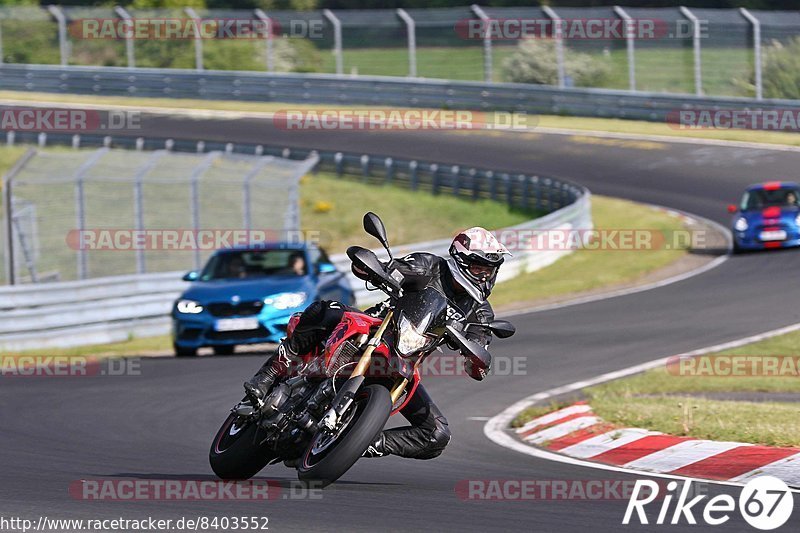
497, 428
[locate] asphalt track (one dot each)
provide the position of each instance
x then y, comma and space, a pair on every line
158, 425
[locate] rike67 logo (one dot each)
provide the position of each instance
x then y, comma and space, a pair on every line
765, 503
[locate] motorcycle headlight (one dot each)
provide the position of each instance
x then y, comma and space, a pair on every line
741, 224
286, 300
189, 307
409, 340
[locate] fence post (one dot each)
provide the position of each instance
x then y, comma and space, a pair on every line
434, 179
537, 187
630, 31
80, 207
198, 40
509, 190
756, 50
455, 184
558, 35
411, 32
364, 167
138, 203
389, 164
129, 42
698, 74
8, 219
63, 44
1, 42
487, 42
476, 183
337, 39
194, 199
338, 163
414, 175
260, 15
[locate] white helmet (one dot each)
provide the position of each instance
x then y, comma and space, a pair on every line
476, 257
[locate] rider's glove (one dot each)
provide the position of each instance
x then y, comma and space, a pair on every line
474, 371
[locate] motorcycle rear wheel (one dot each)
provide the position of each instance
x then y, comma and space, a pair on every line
325, 462
235, 453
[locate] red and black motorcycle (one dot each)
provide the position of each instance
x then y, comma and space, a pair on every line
323, 417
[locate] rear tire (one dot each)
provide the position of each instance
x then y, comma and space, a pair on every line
184, 352
224, 350
373, 405
238, 456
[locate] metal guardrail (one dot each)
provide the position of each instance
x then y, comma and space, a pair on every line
366, 90
111, 309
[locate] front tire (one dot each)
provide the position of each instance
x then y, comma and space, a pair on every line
373, 405
235, 453
224, 350
180, 351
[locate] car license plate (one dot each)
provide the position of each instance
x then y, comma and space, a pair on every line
236, 324
775, 235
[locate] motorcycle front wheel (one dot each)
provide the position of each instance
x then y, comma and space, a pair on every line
328, 457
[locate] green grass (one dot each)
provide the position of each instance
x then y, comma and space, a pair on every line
334, 207
662, 401
585, 270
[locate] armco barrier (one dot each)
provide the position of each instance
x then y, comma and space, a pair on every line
364, 90
112, 309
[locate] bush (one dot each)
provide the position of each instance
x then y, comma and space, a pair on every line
534, 61
781, 70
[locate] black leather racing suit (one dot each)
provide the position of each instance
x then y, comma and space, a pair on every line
428, 434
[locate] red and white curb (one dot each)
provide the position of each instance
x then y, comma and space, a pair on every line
575, 431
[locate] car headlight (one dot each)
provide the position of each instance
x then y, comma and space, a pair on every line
797, 219
189, 307
409, 340
286, 300
741, 224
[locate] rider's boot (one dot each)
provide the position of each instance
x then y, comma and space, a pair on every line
279, 365
377, 448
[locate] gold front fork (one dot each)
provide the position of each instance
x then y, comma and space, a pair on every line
366, 357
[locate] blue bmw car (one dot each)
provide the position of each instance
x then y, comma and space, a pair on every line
768, 216
246, 296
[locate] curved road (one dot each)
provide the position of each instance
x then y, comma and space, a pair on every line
158, 425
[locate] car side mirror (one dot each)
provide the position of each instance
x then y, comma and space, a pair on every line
732, 209
502, 329
191, 276
326, 268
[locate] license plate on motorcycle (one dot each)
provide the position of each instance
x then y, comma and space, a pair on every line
236, 324
775, 235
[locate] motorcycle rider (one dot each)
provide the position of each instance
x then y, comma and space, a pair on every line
466, 278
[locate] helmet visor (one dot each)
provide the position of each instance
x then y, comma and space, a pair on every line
482, 272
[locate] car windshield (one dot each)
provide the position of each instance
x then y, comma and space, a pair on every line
255, 264
759, 199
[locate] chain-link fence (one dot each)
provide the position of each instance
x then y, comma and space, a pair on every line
717, 52
79, 214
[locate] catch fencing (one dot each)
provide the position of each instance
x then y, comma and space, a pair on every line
699, 51
60, 204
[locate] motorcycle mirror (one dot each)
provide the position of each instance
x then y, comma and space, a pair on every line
476, 353
502, 329
367, 261
374, 226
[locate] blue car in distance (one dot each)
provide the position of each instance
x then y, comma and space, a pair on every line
246, 295
768, 216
